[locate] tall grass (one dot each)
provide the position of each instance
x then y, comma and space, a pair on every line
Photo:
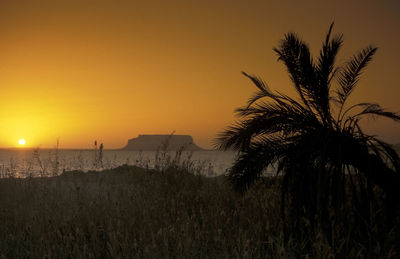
146, 213
161, 210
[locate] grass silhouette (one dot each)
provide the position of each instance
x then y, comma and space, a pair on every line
145, 213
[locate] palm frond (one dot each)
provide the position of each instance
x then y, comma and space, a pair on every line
386, 153
325, 70
327, 56
233, 137
350, 74
376, 110
349, 109
252, 163
263, 90
295, 54
265, 118
261, 85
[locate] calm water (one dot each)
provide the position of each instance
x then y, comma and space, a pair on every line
22, 163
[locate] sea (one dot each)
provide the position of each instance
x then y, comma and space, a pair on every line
51, 162
23, 163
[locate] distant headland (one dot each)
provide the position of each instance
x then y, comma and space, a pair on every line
155, 142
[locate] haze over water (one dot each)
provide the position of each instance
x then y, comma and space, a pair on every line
23, 163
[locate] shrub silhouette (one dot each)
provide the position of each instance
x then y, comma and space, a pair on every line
315, 142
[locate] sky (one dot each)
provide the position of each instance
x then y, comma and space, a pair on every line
80, 71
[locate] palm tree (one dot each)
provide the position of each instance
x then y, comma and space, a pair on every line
315, 142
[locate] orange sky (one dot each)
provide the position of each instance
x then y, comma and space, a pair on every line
110, 70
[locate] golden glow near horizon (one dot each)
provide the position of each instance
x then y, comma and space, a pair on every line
109, 71
21, 142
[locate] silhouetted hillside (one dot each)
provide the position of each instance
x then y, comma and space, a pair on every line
154, 142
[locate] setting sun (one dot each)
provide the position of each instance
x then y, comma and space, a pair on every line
21, 142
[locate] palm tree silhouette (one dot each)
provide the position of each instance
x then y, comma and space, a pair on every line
314, 142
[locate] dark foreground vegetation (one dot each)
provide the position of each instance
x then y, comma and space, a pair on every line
131, 212
335, 178
336, 193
